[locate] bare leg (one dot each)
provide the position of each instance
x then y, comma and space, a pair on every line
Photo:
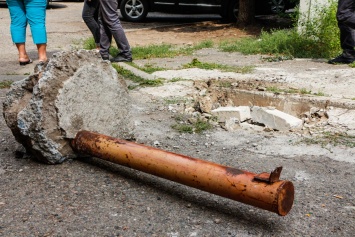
42, 52
22, 54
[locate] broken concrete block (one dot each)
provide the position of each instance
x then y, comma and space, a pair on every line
251, 127
74, 91
205, 104
275, 119
231, 124
241, 113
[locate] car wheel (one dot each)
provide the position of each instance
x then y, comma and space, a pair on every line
277, 6
134, 10
232, 10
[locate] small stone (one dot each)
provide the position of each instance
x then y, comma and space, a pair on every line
217, 221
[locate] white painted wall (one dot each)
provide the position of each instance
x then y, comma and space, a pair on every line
308, 9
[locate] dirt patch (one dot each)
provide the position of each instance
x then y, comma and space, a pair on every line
188, 34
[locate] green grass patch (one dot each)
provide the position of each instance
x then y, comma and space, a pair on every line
196, 127
139, 80
154, 51
89, 44
149, 68
176, 100
195, 63
176, 79
167, 50
302, 91
319, 39
5, 84
203, 45
334, 139
192, 125
319, 93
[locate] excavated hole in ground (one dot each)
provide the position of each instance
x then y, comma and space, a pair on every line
311, 109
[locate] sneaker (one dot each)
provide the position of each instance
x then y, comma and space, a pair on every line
121, 58
342, 59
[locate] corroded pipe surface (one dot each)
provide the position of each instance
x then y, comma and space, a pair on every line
264, 190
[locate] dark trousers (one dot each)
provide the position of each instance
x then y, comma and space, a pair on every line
110, 26
90, 16
346, 23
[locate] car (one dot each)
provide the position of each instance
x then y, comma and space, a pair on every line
137, 10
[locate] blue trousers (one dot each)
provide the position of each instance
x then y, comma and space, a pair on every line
32, 12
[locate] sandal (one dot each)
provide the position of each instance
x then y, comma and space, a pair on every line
26, 62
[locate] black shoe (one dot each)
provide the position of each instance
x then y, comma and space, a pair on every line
105, 57
121, 58
342, 59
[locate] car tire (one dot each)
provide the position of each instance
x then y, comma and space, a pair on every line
134, 10
232, 11
277, 6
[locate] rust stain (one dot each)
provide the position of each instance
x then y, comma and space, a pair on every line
234, 171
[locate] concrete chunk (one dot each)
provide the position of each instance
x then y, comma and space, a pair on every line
241, 113
275, 119
76, 90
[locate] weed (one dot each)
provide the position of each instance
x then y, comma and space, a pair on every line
203, 45
141, 81
176, 100
167, 50
319, 38
304, 91
175, 79
334, 139
319, 93
185, 125
89, 44
183, 128
5, 84
149, 68
154, 51
274, 89
195, 63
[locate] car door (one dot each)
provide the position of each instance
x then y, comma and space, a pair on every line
200, 6
165, 5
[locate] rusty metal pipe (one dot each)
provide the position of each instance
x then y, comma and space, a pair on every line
264, 190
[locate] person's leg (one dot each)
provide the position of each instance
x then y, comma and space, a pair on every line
112, 22
105, 36
18, 28
42, 52
23, 57
90, 17
347, 39
346, 24
36, 15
